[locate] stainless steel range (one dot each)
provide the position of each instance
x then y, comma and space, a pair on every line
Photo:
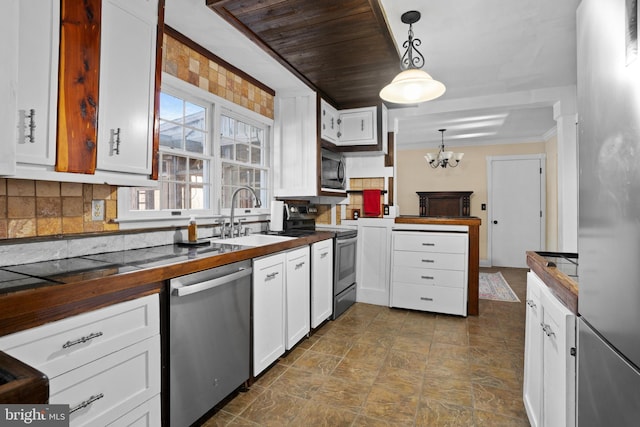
302, 220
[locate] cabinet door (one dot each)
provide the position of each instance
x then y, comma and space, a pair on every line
295, 147
328, 122
532, 387
127, 82
559, 366
298, 295
8, 84
39, 35
357, 127
268, 311
321, 281
374, 255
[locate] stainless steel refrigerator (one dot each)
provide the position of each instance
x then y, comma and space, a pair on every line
609, 214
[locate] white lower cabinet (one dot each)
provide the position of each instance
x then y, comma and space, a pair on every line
549, 389
321, 281
281, 312
429, 271
374, 259
268, 310
297, 289
102, 363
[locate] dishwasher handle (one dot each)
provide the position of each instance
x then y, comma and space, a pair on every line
183, 290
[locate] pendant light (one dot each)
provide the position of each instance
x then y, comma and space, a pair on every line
444, 158
412, 85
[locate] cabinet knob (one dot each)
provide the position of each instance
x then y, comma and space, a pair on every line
495, 222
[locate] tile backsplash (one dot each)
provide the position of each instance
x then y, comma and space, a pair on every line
30, 208
355, 199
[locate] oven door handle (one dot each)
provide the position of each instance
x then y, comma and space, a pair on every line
181, 290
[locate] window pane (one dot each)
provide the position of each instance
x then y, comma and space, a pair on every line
198, 196
256, 156
256, 136
195, 141
171, 108
194, 115
229, 174
242, 153
170, 134
173, 195
226, 150
197, 171
174, 168
227, 127
144, 199
246, 177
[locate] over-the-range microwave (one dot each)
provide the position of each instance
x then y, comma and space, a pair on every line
333, 171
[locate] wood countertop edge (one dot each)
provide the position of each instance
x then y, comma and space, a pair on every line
29, 308
29, 385
565, 289
472, 220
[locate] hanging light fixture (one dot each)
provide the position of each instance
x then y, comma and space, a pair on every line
444, 158
412, 85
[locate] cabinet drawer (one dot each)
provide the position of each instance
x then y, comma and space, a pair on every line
430, 242
445, 261
429, 277
429, 298
64, 345
146, 415
103, 390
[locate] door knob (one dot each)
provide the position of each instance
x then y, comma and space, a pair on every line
495, 222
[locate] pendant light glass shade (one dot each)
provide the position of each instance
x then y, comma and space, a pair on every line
412, 86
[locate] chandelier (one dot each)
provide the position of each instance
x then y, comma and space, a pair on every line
444, 158
412, 85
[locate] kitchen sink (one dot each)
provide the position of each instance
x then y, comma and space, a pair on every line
254, 240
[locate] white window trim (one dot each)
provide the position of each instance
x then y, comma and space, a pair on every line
151, 219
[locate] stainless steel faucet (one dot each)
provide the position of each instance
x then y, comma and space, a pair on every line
233, 204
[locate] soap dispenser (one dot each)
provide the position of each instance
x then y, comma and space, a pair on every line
192, 230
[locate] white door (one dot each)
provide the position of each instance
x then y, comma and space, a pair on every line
516, 208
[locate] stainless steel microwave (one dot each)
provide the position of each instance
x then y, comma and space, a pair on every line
333, 171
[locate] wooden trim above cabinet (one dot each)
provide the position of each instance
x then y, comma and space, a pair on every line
155, 148
79, 74
389, 157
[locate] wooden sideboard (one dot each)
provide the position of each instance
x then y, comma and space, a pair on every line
445, 203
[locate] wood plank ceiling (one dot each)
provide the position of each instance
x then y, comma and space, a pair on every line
341, 48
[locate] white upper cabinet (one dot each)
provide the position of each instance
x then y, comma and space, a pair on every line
354, 129
127, 82
358, 126
37, 94
8, 83
328, 122
295, 146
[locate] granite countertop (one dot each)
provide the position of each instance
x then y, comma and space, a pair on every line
37, 293
559, 271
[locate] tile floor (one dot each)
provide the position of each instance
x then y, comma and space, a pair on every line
376, 366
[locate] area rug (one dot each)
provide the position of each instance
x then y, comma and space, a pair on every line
494, 287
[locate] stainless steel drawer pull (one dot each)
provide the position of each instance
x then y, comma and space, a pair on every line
427, 260
299, 265
427, 277
82, 340
426, 299
271, 276
86, 403
428, 244
324, 254
531, 304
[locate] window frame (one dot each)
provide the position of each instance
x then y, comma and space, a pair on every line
215, 105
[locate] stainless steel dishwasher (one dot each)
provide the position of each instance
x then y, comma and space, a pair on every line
209, 339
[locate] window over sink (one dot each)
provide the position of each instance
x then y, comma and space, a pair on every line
209, 147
